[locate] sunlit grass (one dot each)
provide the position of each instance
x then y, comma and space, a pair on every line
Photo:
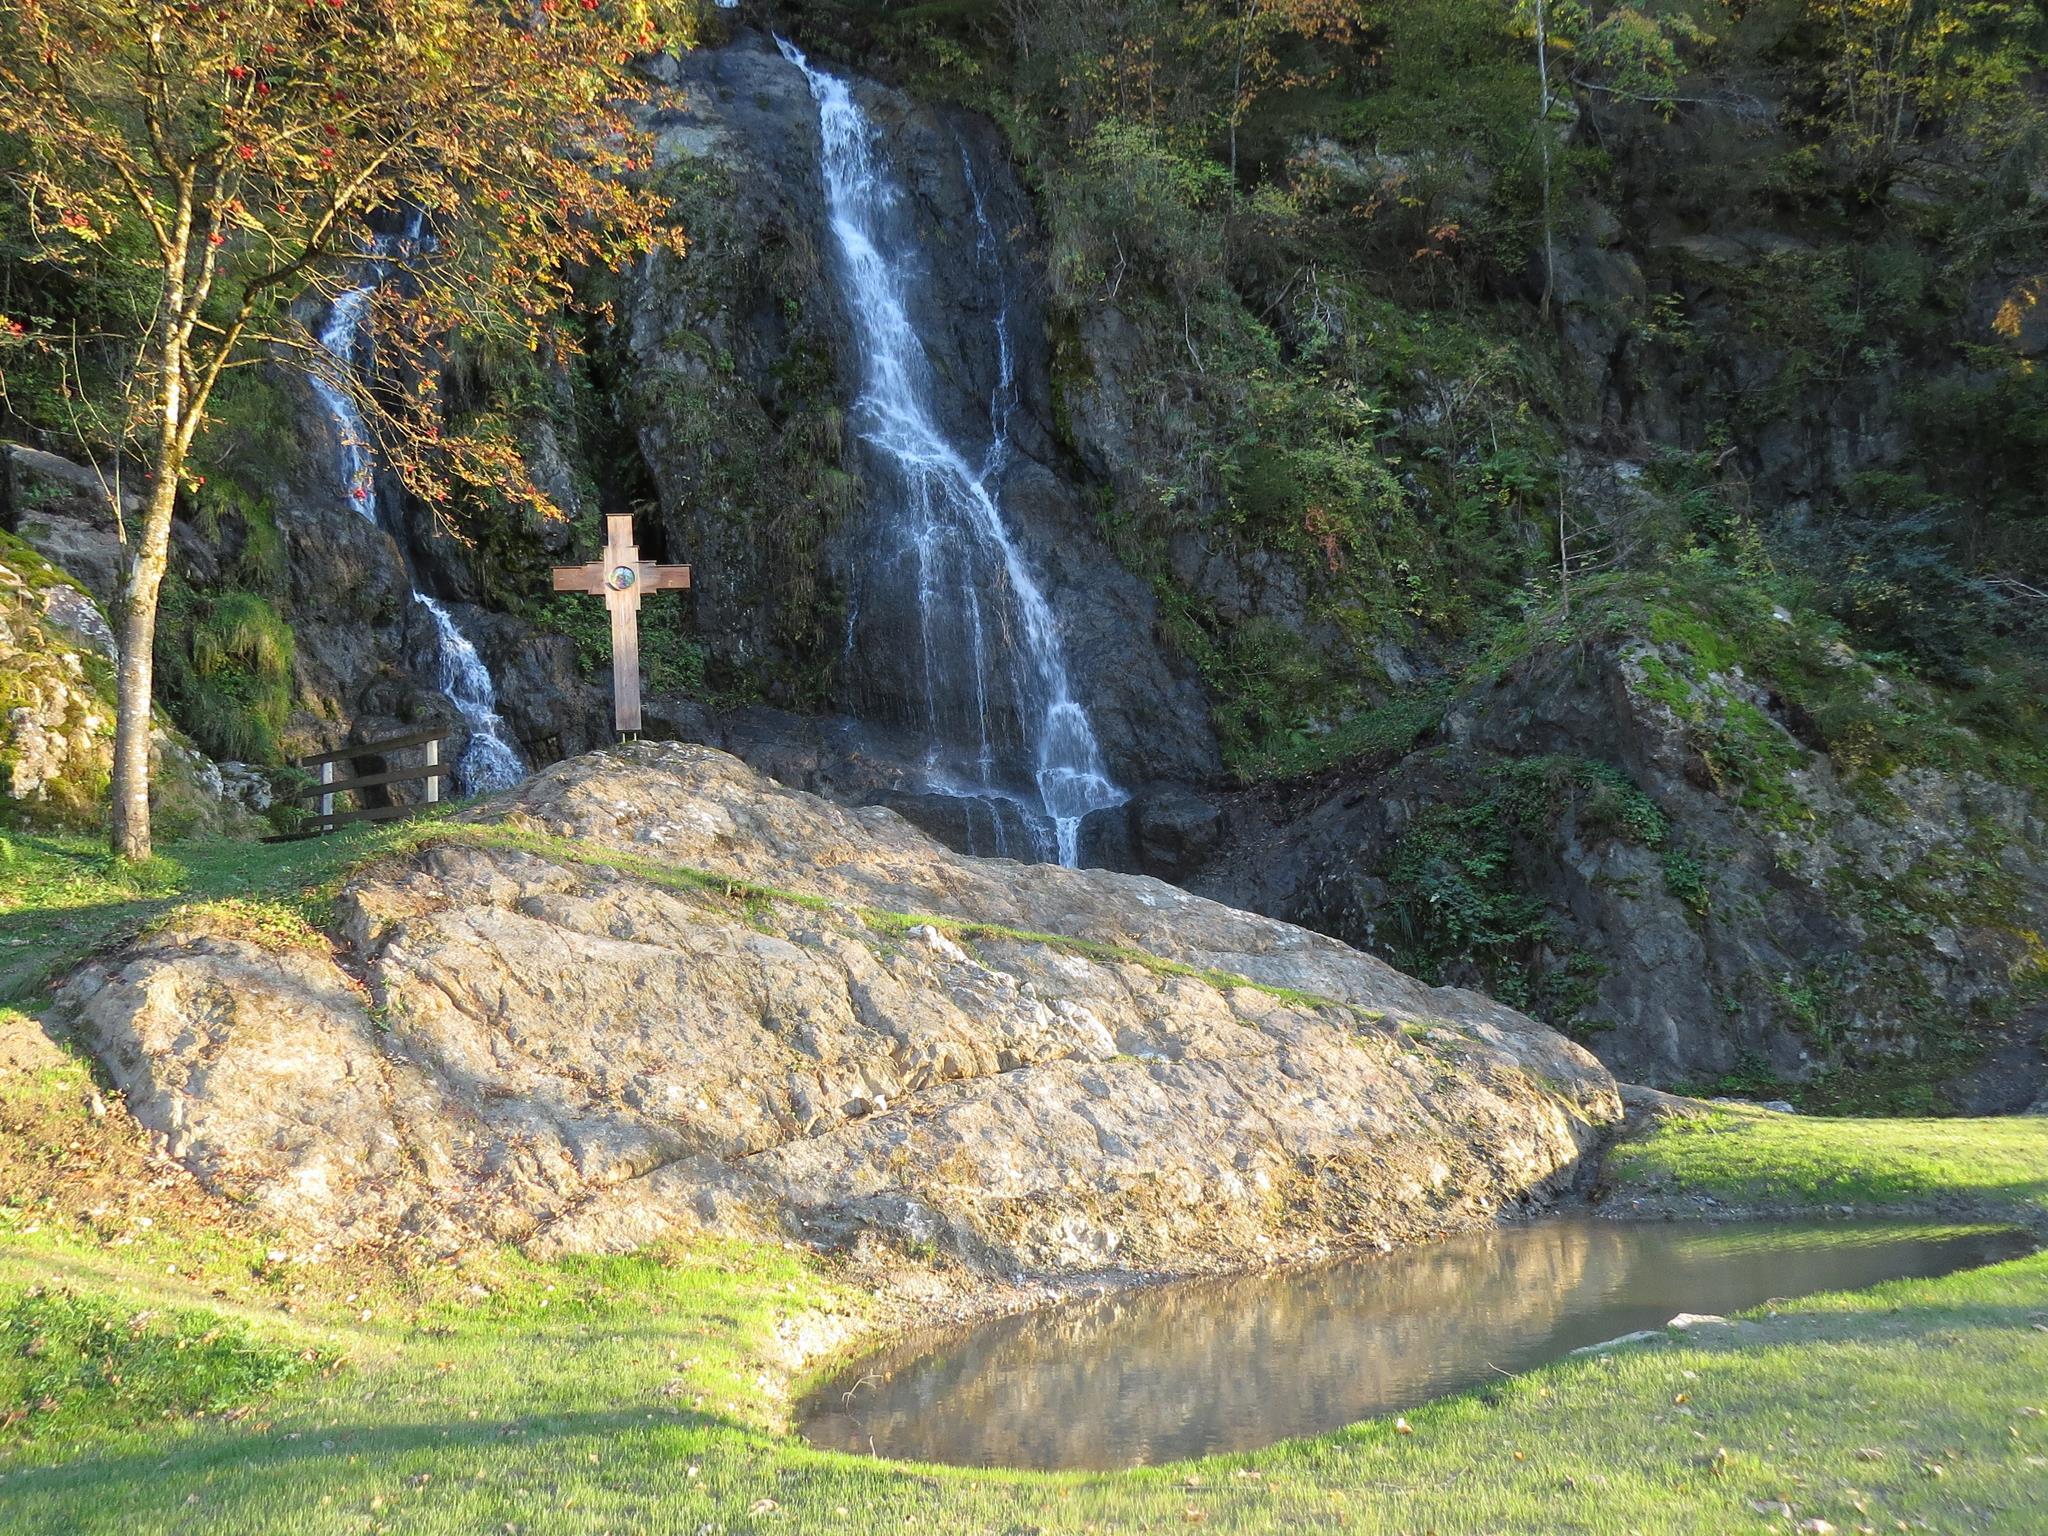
1766, 1159
647, 1393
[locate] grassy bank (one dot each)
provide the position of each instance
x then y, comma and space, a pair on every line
61, 897
1764, 1162
163, 1368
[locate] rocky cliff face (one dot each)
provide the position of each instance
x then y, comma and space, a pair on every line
1619, 837
651, 990
739, 371
366, 650
57, 656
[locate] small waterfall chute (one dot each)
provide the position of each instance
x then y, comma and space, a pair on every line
489, 761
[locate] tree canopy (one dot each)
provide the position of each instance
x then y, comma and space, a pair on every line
241, 155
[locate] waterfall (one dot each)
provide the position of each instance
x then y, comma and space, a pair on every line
488, 760
998, 708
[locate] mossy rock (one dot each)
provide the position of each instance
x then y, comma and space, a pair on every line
56, 706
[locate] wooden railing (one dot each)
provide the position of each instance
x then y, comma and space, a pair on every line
432, 771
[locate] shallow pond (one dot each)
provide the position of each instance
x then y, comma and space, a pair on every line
1204, 1366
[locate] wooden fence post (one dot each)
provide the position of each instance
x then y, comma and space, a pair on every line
335, 780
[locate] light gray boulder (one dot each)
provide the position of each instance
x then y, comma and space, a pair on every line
614, 1031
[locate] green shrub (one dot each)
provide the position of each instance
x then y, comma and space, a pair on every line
1462, 879
225, 661
670, 660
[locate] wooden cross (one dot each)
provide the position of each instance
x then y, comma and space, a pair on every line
621, 576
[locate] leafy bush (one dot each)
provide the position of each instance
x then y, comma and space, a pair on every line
670, 661
225, 664
1462, 879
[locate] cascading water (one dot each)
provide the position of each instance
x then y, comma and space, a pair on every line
998, 706
488, 761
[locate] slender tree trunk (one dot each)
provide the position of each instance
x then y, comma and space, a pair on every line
1543, 142
1237, 91
135, 678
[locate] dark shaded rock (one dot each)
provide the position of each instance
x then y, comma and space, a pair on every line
63, 511
1777, 959
1601, 299
1173, 830
991, 826
552, 709
2012, 1079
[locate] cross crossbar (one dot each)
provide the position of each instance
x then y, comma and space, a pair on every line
620, 576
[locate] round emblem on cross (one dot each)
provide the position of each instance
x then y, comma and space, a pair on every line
622, 578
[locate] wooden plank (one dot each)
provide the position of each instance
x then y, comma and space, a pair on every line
322, 824
668, 578
370, 748
374, 813
625, 662
579, 578
372, 780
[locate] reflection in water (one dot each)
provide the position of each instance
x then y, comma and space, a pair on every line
1220, 1365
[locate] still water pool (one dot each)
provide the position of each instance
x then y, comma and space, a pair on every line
1205, 1366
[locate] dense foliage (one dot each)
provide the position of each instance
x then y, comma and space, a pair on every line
213, 166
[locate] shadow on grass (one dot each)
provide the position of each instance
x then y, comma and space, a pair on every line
265, 1451
56, 945
76, 899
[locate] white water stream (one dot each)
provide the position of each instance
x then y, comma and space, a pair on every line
488, 761
991, 643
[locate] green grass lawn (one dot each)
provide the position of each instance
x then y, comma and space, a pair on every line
1768, 1161
62, 897
165, 1366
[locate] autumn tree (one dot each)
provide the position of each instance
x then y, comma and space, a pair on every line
1891, 68
258, 146
1266, 37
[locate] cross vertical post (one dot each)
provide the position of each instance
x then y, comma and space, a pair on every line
620, 576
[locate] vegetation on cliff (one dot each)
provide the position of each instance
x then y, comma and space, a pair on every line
1335, 290
1707, 332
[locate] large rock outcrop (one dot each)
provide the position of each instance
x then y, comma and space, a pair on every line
585, 1020
1646, 848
